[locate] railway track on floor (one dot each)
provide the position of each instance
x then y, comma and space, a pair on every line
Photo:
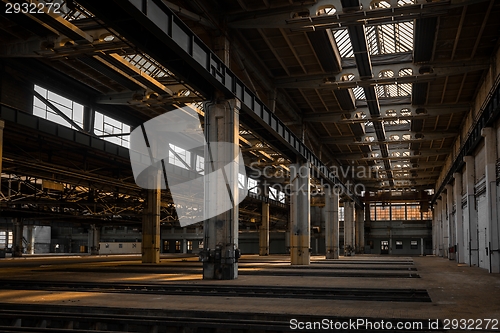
55, 318
296, 292
274, 271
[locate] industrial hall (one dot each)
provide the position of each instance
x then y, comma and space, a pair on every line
225, 166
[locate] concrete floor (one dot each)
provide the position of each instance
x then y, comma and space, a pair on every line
457, 291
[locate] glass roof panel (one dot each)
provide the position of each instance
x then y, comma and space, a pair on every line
343, 43
390, 38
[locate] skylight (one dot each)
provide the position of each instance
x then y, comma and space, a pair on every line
390, 38
146, 65
343, 43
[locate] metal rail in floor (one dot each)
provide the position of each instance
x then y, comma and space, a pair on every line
363, 294
40, 318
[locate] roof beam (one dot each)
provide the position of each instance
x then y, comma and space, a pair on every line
421, 153
280, 18
430, 73
369, 140
403, 112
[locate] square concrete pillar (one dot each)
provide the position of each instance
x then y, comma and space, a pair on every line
471, 212
94, 237
444, 225
221, 191
332, 223
300, 220
492, 229
349, 228
451, 222
436, 222
264, 230
360, 229
459, 228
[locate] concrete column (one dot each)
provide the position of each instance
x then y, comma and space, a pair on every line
30, 237
471, 210
493, 229
435, 228
459, 228
264, 226
421, 246
349, 232
445, 223
151, 224
17, 237
449, 215
184, 246
439, 212
332, 224
94, 236
360, 230
300, 216
221, 231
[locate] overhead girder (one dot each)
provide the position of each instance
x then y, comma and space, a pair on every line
404, 137
308, 18
405, 154
402, 183
143, 98
58, 47
420, 73
399, 176
397, 111
56, 23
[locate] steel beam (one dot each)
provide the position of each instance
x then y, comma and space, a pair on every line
281, 17
409, 137
429, 73
402, 112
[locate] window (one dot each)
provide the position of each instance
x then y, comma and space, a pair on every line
341, 213
190, 245
200, 164
414, 245
105, 125
427, 215
241, 181
383, 212
177, 246
398, 212
252, 185
399, 245
413, 212
277, 195
120, 246
72, 110
166, 246
179, 156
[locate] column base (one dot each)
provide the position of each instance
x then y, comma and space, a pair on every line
331, 254
300, 256
219, 271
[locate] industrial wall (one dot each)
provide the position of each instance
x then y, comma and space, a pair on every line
466, 218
